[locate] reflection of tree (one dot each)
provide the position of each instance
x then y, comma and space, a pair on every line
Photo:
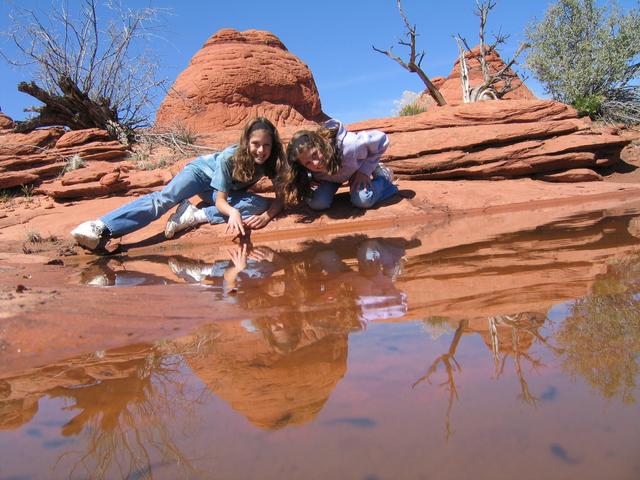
124, 413
507, 336
600, 339
512, 336
450, 384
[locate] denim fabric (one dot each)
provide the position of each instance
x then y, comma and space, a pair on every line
189, 182
381, 189
245, 202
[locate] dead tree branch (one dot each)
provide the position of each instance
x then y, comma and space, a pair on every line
415, 60
85, 70
506, 75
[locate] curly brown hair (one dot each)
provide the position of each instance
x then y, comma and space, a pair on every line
244, 166
295, 180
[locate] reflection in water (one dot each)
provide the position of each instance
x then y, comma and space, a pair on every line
279, 363
600, 339
276, 369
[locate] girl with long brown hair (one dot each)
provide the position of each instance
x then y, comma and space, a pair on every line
320, 161
220, 179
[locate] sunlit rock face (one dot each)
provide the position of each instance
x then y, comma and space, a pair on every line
237, 76
497, 139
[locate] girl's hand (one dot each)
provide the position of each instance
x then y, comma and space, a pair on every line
262, 253
360, 181
234, 224
257, 221
239, 256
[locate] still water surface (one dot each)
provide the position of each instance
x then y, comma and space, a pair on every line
514, 356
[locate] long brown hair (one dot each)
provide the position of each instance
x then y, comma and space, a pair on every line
244, 167
296, 179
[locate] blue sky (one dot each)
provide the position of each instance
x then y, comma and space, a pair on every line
332, 37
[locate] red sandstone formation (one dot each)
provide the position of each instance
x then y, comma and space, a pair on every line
239, 75
27, 158
497, 140
451, 87
5, 122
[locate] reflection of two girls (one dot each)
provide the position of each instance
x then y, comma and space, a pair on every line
317, 163
268, 280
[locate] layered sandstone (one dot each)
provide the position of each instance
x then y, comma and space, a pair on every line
237, 76
497, 140
30, 158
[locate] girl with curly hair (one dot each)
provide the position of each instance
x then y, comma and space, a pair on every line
320, 161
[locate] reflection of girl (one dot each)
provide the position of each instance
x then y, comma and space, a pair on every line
221, 179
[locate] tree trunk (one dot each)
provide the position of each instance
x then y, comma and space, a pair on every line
73, 109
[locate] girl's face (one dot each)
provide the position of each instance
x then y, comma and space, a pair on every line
312, 159
260, 143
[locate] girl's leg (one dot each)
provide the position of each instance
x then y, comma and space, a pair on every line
382, 188
141, 212
322, 197
247, 203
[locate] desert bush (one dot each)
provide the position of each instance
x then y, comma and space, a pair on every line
411, 103
73, 162
587, 56
87, 64
412, 109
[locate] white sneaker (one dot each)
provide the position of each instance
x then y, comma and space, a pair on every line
89, 234
181, 220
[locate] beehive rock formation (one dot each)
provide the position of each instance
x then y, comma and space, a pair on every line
237, 76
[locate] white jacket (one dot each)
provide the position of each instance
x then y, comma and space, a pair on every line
361, 151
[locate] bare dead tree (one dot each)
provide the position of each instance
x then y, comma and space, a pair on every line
415, 60
487, 90
89, 70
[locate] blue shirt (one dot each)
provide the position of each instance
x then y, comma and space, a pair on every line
219, 168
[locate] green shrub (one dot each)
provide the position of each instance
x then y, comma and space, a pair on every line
411, 109
590, 105
588, 56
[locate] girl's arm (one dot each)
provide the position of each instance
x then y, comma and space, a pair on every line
259, 221
370, 145
234, 224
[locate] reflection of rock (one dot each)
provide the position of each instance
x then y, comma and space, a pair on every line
237, 76
634, 227
15, 413
272, 389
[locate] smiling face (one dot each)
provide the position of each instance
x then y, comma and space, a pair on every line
260, 144
312, 159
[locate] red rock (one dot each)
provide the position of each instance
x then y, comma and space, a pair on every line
110, 178
91, 173
15, 179
410, 144
14, 144
237, 76
574, 175
81, 137
473, 114
6, 123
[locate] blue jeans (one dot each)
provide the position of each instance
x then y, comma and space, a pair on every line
381, 189
189, 182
